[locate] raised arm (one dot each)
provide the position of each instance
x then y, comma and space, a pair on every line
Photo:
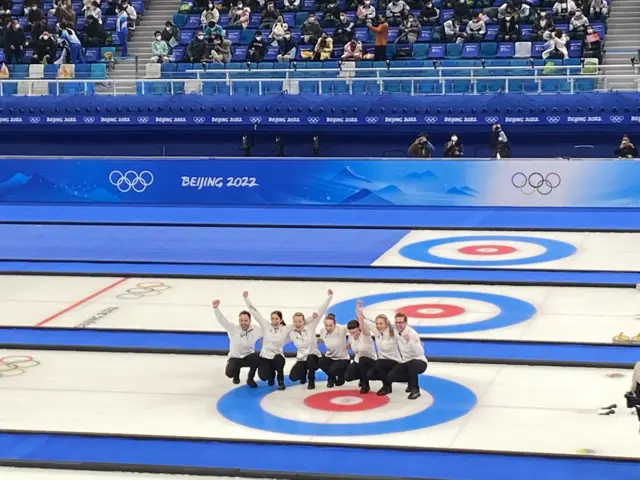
254, 311
320, 312
226, 324
364, 322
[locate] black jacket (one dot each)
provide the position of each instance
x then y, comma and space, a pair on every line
510, 28
197, 48
13, 37
35, 16
42, 48
285, 45
95, 30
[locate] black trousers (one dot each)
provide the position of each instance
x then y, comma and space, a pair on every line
407, 372
335, 369
304, 368
234, 365
268, 369
360, 371
381, 370
380, 53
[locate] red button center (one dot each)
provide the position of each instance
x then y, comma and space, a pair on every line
437, 310
487, 250
345, 401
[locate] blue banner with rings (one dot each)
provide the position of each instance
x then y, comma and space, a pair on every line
320, 181
313, 119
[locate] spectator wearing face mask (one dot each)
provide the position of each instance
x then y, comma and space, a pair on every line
171, 34
333, 9
381, 31
221, 50
269, 17
277, 31
599, 10
352, 51
409, 31
365, 13
38, 28
122, 29
44, 49
626, 148
542, 25
461, 11
421, 147
287, 48
159, 49
213, 29
132, 15
95, 34
239, 16
197, 48
592, 45
311, 30
210, 13
34, 16
257, 49
94, 11
500, 142
476, 29
556, 46
64, 13
344, 31
396, 12
523, 12
323, 49
452, 33
429, 15
564, 9
578, 25
291, 5
453, 148
14, 41
509, 31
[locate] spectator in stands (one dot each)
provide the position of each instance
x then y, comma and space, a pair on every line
461, 11
344, 31
542, 25
291, 5
626, 148
452, 33
409, 31
415, 4
44, 49
523, 12
64, 13
95, 34
578, 25
323, 49
564, 9
396, 12
171, 34
509, 30
277, 31
197, 49
287, 48
365, 13
421, 147
269, 16
159, 49
94, 11
476, 29
239, 16
311, 30
352, 51
122, 30
381, 31
69, 37
453, 148
592, 45
556, 46
500, 142
39, 28
429, 15
211, 13
213, 29
14, 41
221, 50
599, 10
257, 49
329, 21
333, 9
34, 16
112, 7
131, 14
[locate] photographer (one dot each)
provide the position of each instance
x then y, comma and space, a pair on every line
500, 142
626, 149
453, 148
421, 147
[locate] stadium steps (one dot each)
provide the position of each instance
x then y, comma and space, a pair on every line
622, 43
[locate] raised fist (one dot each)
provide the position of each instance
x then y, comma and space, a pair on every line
215, 303
329, 292
245, 294
314, 315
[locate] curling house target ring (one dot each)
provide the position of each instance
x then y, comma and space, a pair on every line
345, 401
488, 250
451, 400
431, 310
554, 250
512, 310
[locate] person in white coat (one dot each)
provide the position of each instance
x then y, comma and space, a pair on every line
556, 46
414, 361
633, 395
242, 341
361, 344
305, 340
336, 358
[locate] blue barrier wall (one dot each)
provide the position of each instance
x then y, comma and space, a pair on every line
290, 181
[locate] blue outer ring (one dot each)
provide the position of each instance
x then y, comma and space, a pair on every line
555, 250
512, 310
451, 400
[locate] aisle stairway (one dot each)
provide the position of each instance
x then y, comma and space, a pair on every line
623, 42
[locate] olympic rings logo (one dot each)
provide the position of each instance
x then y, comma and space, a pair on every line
16, 365
144, 289
371, 120
491, 120
536, 182
131, 180
198, 119
313, 120
255, 119
430, 120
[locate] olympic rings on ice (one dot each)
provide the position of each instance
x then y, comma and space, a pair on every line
15, 365
144, 289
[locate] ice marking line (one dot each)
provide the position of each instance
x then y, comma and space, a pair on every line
80, 302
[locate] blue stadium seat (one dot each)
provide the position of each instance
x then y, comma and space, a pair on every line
436, 51
471, 50
453, 50
506, 50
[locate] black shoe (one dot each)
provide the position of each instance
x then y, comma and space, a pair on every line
280, 385
236, 380
312, 384
414, 395
364, 390
271, 382
339, 382
330, 383
252, 383
383, 391
408, 390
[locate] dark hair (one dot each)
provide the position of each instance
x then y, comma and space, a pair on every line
278, 314
353, 324
157, 32
331, 317
244, 312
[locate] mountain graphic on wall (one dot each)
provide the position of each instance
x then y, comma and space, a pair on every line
366, 197
348, 176
426, 181
464, 191
22, 187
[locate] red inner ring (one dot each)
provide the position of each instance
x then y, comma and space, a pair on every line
493, 250
322, 401
445, 310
